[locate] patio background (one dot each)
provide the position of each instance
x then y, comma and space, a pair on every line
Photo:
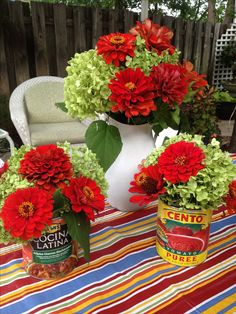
40, 40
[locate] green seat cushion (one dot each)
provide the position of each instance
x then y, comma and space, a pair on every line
51, 133
40, 102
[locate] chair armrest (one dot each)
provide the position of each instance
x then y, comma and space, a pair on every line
18, 114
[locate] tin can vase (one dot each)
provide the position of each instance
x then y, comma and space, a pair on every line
182, 235
53, 255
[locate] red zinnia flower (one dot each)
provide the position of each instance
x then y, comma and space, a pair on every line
148, 182
115, 47
169, 83
3, 168
26, 213
132, 92
197, 81
230, 198
156, 36
84, 195
48, 166
180, 161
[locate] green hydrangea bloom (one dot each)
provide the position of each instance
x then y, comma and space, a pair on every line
86, 89
145, 59
206, 189
85, 162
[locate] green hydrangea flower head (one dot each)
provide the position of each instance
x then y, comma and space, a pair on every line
86, 89
145, 59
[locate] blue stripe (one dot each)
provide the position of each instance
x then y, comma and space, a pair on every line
69, 287
222, 245
217, 225
216, 300
130, 223
11, 263
130, 288
117, 228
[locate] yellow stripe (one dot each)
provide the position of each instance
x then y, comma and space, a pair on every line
117, 290
123, 230
195, 287
218, 243
168, 290
222, 304
81, 269
11, 269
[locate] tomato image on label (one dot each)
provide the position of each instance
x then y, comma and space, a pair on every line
182, 237
182, 230
184, 243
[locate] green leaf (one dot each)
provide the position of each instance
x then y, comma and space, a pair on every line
79, 229
62, 106
176, 115
60, 202
157, 128
105, 141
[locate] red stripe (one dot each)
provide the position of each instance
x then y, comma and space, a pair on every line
223, 230
10, 256
122, 243
131, 217
100, 284
167, 282
192, 299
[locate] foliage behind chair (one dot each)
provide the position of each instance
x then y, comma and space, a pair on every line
35, 116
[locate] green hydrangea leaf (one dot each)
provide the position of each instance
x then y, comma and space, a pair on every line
105, 141
62, 106
79, 229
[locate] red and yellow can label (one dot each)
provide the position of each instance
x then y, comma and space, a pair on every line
182, 235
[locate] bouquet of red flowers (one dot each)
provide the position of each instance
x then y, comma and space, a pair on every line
39, 184
185, 173
134, 78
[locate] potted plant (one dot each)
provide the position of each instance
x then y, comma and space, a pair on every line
190, 179
48, 196
136, 82
225, 105
228, 58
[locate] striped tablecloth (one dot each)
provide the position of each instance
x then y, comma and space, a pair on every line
125, 274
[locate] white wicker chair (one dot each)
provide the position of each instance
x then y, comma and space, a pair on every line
19, 113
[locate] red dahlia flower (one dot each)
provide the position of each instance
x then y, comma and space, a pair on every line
84, 195
196, 80
169, 83
3, 168
156, 36
131, 90
180, 161
27, 212
115, 47
48, 166
148, 182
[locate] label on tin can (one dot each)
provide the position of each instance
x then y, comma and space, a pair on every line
53, 255
182, 235
53, 246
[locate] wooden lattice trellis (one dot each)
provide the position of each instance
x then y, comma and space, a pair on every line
221, 72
